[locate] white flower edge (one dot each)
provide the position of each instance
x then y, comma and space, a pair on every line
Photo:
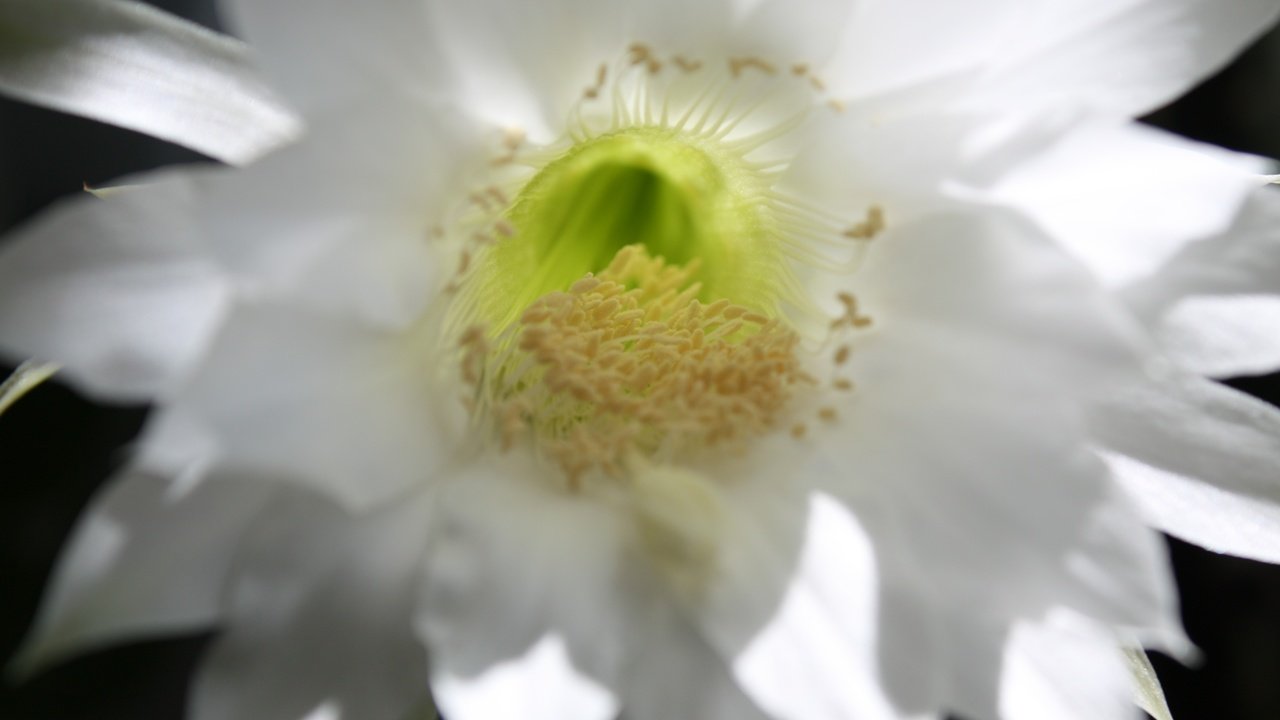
131, 65
1198, 459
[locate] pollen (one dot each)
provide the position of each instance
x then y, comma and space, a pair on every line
630, 362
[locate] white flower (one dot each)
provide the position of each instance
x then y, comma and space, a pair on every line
916, 482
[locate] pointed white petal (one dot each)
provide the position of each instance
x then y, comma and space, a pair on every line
1243, 259
115, 290
1222, 336
326, 402
143, 561
132, 65
1212, 307
1201, 462
1199, 428
1065, 668
1121, 58
319, 614
1201, 512
1124, 198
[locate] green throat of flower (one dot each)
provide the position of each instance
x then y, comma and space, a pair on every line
625, 305
679, 196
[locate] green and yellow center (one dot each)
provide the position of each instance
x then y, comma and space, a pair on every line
628, 305
677, 195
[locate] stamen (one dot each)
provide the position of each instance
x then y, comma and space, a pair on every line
630, 361
740, 64
870, 227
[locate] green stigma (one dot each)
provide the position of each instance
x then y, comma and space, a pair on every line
682, 197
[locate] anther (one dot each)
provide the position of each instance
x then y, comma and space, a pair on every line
870, 227
740, 64
687, 65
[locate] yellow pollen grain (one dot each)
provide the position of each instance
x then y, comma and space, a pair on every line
602, 74
687, 65
738, 65
512, 139
872, 225
630, 361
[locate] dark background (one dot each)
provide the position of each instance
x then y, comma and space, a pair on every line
56, 447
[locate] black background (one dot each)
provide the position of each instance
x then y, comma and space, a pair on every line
56, 447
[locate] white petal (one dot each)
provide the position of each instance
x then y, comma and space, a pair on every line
1122, 58
958, 496
961, 451
1212, 307
1223, 336
1201, 462
515, 557
325, 55
143, 561
817, 657
786, 31
1124, 199
521, 65
129, 64
319, 610
1065, 668
1122, 568
1203, 513
289, 393
910, 163
951, 281
343, 219
888, 45
541, 685
1243, 259
115, 290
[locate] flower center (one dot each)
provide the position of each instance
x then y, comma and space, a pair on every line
634, 301
630, 361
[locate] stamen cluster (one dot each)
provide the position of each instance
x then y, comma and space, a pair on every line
630, 361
